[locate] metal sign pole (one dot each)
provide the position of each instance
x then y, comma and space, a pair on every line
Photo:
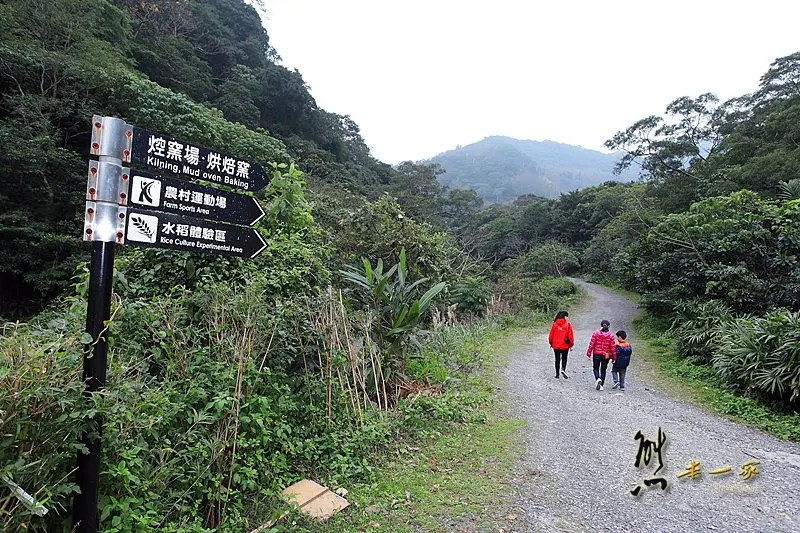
108, 187
94, 375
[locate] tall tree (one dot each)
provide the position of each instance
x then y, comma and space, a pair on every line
672, 150
762, 148
458, 208
418, 191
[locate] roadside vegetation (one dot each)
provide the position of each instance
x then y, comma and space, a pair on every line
700, 383
450, 467
209, 413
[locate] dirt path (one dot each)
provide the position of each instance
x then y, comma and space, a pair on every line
578, 466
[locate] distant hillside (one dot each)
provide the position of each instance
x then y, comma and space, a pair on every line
500, 169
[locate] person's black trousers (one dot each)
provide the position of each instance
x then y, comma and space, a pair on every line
561, 360
619, 376
599, 366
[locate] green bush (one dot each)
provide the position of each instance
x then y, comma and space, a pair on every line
697, 328
538, 299
547, 294
548, 259
41, 413
380, 229
471, 294
738, 249
558, 286
395, 308
762, 355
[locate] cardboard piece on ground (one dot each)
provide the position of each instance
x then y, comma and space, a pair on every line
314, 499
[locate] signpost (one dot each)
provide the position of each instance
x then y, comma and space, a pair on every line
181, 158
175, 196
131, 207
162, 230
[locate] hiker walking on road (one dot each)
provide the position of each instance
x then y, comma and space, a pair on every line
622, 359
562, 339
600, 349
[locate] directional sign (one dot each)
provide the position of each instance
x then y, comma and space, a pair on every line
182, 197
195, 162
187, 234
111, 187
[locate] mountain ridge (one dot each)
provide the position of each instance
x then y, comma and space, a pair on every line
501, 168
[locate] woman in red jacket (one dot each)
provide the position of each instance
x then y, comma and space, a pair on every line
561, 341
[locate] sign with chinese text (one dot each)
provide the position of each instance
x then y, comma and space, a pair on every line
187, 234
182, 197
182, 158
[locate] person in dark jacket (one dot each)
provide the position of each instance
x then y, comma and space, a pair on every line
561, 341
622, 358
601, 350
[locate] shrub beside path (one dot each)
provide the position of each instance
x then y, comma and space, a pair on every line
577, 468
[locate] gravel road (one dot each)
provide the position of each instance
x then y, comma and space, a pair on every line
577, 469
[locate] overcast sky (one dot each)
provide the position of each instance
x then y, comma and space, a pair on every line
422, 76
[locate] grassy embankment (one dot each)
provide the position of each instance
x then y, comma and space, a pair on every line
449, 471
452, 472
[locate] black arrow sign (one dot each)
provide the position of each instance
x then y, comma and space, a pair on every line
185, 198
195, 162
187, 234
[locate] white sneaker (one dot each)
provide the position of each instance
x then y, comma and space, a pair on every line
601, 387
597, 385
564, 373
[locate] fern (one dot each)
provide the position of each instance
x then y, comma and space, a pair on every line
790, 190
697, 327
762, 355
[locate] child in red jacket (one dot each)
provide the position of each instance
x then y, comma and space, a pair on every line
600, 349
561, 341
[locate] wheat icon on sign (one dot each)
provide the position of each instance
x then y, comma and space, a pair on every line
142, 226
